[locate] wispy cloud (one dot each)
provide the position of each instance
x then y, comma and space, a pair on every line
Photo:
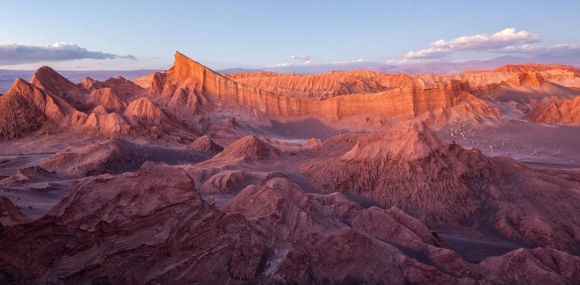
295, 60
11, 54
559, 50
349, 61
504, 39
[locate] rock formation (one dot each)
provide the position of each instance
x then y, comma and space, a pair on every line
25, 109
50, 81
192, 84
334, 178
114, 156
9, 214
249, 147
565, 111
444, 183
107, 99
271, 233
144, 111
206, 145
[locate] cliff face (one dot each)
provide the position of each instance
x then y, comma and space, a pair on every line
188, 89
353, 93
324, 85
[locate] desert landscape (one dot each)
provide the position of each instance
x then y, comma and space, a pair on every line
192, 176
289, 142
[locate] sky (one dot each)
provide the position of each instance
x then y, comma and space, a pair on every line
123, 35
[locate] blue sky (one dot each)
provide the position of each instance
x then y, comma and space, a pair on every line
254, 33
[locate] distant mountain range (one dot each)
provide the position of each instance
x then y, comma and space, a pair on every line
440, 67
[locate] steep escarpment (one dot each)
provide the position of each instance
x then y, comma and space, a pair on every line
194, 85
323, 85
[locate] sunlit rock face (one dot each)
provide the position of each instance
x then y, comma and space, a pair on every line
189, 176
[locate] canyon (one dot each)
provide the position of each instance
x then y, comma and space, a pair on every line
193, 176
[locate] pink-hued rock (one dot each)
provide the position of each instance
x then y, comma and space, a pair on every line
107, 99
411, 169
565, 111
271, 233
9, 214
121, 182
206, 145
249, 147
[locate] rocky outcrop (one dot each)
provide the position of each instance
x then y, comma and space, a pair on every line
249, 148
100, 123
233, 181
107, 99
565, 111
51, 82
144, 111
563, 75
533, 266
447, 184
125, 89
273, 233
531, 67
25, 109
527, 79
9, 214
29, 109
417, 173
33, 174
91, 84
206, 145
114, 156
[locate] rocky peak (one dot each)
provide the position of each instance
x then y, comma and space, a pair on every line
410, 140
20, 86
250, 147
185, 68
90, 83
48, 79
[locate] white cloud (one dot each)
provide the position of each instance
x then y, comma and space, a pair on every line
559, 50
11, 54
348, 61
301, 58
480, 42
295, 60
